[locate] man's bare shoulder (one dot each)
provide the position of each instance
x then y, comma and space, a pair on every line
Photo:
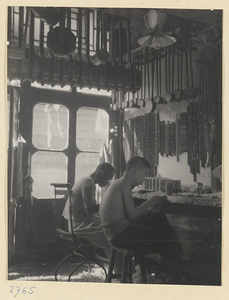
122, 183
83, 182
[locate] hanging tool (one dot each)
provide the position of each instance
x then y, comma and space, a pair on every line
150, 106
177, 92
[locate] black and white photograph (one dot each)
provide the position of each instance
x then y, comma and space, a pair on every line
114, 146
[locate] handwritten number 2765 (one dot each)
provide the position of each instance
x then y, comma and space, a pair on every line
17, 290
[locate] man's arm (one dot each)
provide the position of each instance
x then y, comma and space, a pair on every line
88, 194
132, 211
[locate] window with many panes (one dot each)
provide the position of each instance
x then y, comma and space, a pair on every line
50, 137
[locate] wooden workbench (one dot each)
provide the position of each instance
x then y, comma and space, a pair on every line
196, 219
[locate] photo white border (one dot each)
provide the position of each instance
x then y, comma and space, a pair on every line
94, 291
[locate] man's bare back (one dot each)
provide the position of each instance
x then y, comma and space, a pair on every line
112, 206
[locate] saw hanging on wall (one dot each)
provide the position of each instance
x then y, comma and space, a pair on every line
151, 30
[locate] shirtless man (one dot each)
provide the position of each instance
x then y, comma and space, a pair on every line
86, 222
126, 225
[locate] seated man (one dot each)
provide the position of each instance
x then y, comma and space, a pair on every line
86, 222
143, 227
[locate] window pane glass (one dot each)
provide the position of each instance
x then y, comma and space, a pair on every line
50, 126
86, 164
47, 167
91, 128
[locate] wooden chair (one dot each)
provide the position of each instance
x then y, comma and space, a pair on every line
127, 266
133, 251
73, 243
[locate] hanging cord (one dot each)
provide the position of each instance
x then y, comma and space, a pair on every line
187, 72
191, 67
178, 66
173, 75
166, 70
159, 72
152, 72
148, 74
181, 74
169, 70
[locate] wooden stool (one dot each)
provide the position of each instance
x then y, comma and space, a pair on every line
127, 271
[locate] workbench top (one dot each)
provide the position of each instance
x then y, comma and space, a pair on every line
196, 219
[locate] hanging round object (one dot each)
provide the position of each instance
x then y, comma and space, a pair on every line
150, 106
49, 15
61, 41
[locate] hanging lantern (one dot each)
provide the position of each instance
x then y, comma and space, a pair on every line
150, 19
157, 41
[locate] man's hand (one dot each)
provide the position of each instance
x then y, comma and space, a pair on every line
158, 203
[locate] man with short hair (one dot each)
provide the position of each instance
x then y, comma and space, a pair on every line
86, 222
143, 227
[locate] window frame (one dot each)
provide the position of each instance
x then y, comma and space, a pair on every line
73, 101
